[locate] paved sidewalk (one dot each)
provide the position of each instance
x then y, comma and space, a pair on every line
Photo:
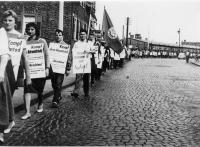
18, 101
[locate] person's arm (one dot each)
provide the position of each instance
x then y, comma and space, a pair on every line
26, 67
3, 62
70, 58
4, 56
46, 57
69, 61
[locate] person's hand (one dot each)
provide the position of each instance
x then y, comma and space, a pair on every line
28, 81
47, 72
66, 73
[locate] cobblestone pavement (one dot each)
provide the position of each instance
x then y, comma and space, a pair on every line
148, 102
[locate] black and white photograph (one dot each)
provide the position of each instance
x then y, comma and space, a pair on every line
100, 73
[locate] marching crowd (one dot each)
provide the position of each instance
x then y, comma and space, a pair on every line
153, 54
88, 58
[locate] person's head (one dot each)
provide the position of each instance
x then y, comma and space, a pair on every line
9, 19
59, 35
32, 29
103, 43
91, 36
83, 34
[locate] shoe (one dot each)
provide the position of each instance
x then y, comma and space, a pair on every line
87, 96
92, 84
54, 105
9, 127
1, 138
74, 95
26, 116
60, 98
40, 108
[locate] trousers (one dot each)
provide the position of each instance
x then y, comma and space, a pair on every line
82, 80
56, 81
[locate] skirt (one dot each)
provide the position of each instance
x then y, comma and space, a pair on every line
7, 88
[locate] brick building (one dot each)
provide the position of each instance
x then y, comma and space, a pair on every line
69, 16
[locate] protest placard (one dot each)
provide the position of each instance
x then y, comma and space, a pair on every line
81, 62
58, 54
112, 53
99, 63
35, 55
122, 54
116, 57
15, 50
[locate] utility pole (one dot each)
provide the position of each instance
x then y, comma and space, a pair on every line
123, 32
179, 32
127, 25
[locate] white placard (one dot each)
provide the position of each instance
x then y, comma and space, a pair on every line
15, 50
112, 53
81, 59
58, 54
116, 57
122, 54
35, 55
99, 63
102, 51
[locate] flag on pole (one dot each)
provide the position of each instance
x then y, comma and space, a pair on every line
89, 26
109, 34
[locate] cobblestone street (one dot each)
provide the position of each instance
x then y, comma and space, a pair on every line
148, 102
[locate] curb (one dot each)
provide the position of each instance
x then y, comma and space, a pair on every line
195, 63
35, 100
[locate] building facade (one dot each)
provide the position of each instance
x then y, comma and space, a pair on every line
191, 43
69, 16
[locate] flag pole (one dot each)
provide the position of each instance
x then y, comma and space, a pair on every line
89, 24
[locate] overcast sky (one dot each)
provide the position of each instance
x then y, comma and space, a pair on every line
157, 20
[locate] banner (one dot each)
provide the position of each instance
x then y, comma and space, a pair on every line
15, 50
58, 54
35, 55
109, 34
81, 60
